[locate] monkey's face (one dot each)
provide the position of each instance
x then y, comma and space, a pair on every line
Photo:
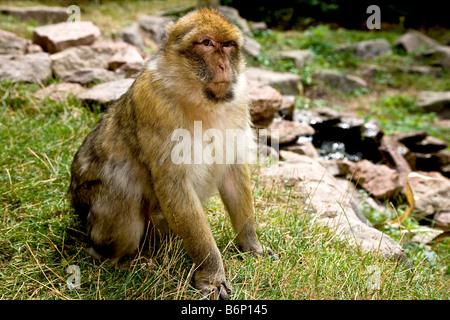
215, 71
209, 48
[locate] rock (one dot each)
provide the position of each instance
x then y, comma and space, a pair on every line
129, 55
288, 132
154, 27
437, 56
12, 44
57, 37
130, 70
132, 35
42, 14
431, 192
258, 26
234, 16
265, 102
267, 151
35, 67
303, 148
318, 117
414, 40
442, 220
286, 83
423, 234
428, 145
287, 107
34, 48
91, 75
433, 101
369, 48
330, 204
423, 70
95, 56
378, 180
300, 57
394, 153
339, 167
343, 83
410, 138
59, 91
106, 92
251, 47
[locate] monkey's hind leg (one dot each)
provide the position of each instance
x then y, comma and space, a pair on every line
115, 226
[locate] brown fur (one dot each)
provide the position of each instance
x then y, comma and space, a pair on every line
123, 178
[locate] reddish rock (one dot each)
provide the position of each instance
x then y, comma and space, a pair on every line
12, 44
57, 37
265, 102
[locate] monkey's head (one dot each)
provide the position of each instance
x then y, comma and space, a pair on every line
204, 48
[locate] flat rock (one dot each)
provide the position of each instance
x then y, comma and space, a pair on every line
287, 107
265, 102
154, 27
331, 205
129, 55
414, 40
59, 91
106, 92
12, 44
437, 56
35, 67
286, 83
57, 37
305, 148
94, 56
287, 132
431, 192
251, 47
378, 180
341, 82
435, 101
299, 57
41, 14
132, 35
369, 48
442, 220
91, 75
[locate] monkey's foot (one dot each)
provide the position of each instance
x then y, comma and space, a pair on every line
219, 290
259, 250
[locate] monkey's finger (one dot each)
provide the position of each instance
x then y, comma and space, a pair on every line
270, 252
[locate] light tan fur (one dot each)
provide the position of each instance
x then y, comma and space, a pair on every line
123, 177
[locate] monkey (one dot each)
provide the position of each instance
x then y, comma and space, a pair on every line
123, 177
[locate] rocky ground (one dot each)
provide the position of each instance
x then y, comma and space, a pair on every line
326, 155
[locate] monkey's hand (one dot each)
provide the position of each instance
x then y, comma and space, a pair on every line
219, 289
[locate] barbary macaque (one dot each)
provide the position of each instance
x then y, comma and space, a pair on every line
124, 179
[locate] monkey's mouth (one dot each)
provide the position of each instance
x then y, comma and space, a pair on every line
219, 88
218, 91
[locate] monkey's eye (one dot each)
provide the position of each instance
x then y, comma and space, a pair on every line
207, 43
228, 44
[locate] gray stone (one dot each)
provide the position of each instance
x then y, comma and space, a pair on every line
106, 92
154, 26
300, 57
59, 91
12, 44
285, 82
251, 47
91, 75
35, 67
437, 56
57, 37
132, 35
435, 101
331, 205
369, 48
129, 55
42, 14
234, 16
258, 26
343, 83
414, 40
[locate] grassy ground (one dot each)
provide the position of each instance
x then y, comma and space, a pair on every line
40, 236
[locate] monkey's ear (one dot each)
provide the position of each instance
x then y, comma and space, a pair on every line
169, 27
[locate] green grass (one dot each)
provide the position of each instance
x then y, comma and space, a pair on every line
40, 235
